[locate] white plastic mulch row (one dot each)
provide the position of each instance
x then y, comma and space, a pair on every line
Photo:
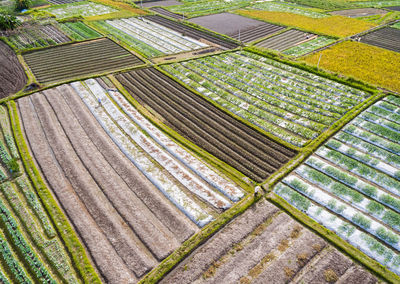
224, 186
153, 172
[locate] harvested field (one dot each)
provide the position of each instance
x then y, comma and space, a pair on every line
351, 184
132, 197
148, 37
256, 33
264, 245
388, 38
83, 8
202, 123
162, 3
287, 102
12, 74
375, 65
80, 59
37, 36
286, 40
355, 13
166, 13
192, 32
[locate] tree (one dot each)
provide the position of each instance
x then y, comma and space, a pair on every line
22, 4
8, 21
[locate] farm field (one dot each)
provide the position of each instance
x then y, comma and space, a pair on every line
192, 32
132, 196
288, 8
354, 59
337, 26
37, 36
394, 8
59, 2
167, 13
397, 26
231, 141
309, 46
264, 245
80, 59
162, 3
148, 37
12, 74
78, 31
355, 13
351, 184
31, 248
286, 40
289, 103
388, 38
82, 8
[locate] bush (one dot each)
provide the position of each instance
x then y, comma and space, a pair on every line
8, 21
22, 4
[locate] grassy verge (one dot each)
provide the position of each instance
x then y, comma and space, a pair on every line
334, 239
196, 240
77, 252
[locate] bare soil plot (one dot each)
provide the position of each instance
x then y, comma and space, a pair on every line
255, 33
393, 8
167, 13
162, 3
286, 40
132, 193
63, 1
264, 245
80, 59
192, 32
388, 38
355, 13
226, 138
12, 74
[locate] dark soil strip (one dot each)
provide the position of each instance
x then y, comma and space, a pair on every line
210, 128
257, 32
74, 60
166, 13
286, 40
192, 32
388, 38
12, 74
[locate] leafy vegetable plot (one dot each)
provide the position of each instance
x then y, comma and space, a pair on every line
291, 104
351, 184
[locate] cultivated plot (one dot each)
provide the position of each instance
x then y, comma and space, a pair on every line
34, 36
192, 32
388, 38
286, 40
161, 3
167, 13
31, 249
264, 245
393, 8
309, 46
79, 59
288, 8
289, 103
351, 185
132, 193
355, 13
78, 31
226, 138
84, 9
12, 74
148, 37
58, 2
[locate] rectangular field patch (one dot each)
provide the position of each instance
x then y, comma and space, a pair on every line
81, 59
228, 139
351, 184
294, 105
286, 40
388, 38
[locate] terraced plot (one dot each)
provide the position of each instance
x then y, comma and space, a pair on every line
192, 32
37, 36
31, 248
206, 126
286, 40
83, 8
388, 38
309, 46
80, 59
264, 245
351, 185
148, 37
133, 196
167, 13
291, 104
78, 31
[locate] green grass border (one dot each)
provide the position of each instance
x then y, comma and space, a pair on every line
66, 232
343, 246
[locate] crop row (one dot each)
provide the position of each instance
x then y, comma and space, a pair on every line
388, 38
78, 30
309, 46
148, 37
195, 9
84, 9
351, 185
289, 103
286, 40
288, 8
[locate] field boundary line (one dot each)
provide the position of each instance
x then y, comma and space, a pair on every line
75, 249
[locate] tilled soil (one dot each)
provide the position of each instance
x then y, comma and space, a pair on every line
388, 38
286, 40
162, 3
355, 13
226, 138
264, 245
167, 13
12, 74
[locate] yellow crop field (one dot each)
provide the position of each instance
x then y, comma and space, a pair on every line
371, 64
338, 26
